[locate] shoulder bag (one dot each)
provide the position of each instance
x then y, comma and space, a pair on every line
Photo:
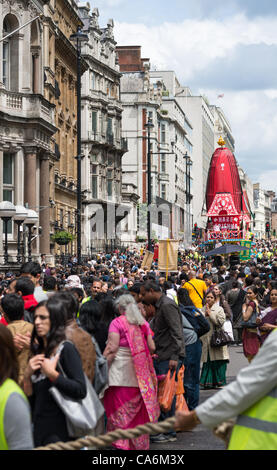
81, 415
251, 323
101, 373
219, 338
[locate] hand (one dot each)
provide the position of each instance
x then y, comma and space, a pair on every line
207, 310
173, 365
186, 420
34, 364
22, 341
48, 367
266, 327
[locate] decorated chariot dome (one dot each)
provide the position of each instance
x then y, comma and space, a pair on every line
225, 202
223, 178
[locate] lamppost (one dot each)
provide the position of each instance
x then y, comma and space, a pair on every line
78, 38
188, 189
19, 218
149, 125
7, 211
30, 221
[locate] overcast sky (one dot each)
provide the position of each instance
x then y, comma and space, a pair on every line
215, 47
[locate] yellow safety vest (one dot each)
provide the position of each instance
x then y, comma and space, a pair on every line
256, 428
6, 389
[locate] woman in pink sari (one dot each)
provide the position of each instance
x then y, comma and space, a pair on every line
131, 398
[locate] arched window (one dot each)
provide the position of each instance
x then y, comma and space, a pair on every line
35, 58
10, 53
5, 57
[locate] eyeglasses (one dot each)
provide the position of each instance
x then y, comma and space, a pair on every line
41, 317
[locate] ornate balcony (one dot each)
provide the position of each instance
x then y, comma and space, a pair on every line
27, 106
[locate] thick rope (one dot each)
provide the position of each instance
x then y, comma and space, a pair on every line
106, 439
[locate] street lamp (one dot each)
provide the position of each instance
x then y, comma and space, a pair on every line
78, 38
7, 211
149, 125
19, 218
30, 221
188, 189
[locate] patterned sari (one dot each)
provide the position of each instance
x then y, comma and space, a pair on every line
131, 398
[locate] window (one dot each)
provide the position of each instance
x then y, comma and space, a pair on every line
5, 64
163, 191
109, 126
8, 182
109, 183
94, 122
163, 133
92, 80
61, 217
94, 181
163, 163
5, 56
10, 53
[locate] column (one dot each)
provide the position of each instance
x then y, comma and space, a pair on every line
44, 214
30, 165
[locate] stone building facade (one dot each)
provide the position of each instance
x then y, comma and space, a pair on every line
102, 143
60, 81
27, 121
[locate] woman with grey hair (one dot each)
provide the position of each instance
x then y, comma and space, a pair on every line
131, 398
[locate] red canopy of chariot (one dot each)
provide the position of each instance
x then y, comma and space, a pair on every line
227, 204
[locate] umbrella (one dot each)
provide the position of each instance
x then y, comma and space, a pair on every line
225, 249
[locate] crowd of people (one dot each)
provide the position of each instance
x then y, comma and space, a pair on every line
58, 321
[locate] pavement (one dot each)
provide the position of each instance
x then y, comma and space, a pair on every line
202, 438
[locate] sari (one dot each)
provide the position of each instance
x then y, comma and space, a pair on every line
271, 318
131, 398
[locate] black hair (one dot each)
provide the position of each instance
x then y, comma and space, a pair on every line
148, 285
135, 287
90, 316
13, 306
31, 267
49, 283
70, 302
108, 310
78, 291
25, 285
58, 316
183, 297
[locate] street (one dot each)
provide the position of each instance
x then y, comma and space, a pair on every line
201, 438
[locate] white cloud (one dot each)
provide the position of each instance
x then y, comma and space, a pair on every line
192, 46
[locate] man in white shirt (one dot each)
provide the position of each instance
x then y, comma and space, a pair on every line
253, 382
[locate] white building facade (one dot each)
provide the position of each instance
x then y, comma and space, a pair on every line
102, 143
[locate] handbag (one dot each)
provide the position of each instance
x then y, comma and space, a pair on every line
251, 323
227, 326
81, 415
101, 373
220, 338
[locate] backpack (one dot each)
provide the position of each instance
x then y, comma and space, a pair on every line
101, 373
196, 319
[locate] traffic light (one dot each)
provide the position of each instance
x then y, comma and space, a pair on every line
267, 227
